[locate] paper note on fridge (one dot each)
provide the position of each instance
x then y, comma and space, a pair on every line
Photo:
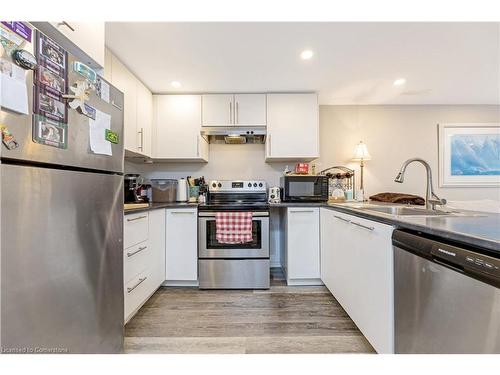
97, 133
14, 91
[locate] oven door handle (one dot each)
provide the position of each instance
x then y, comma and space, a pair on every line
212, 214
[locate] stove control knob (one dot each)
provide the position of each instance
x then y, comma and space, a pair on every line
254, 184
214, 185
219, 185
249, 184
260, 185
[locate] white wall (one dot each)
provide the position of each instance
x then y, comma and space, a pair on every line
228, 162
392, 135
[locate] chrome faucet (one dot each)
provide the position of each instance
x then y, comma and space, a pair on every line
431, 199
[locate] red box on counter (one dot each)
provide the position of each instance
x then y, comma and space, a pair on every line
302, 168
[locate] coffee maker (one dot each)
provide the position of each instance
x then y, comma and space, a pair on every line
132, 184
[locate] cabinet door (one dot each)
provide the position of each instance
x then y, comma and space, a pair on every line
144, 118
182, 245
217, 110
127, 83
327, 240
374, 305
357, 269
303, 243
292, 127
86, 36
157, 241
250, 109
338, 257
177, 128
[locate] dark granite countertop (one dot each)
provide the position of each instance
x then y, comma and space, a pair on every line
482, 229
155, 206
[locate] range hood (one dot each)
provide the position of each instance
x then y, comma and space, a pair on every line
234, 134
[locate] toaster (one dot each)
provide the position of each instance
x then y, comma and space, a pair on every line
274, 195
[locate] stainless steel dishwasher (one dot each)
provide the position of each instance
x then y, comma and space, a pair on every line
446, 297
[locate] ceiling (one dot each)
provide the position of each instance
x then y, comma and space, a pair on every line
353, 63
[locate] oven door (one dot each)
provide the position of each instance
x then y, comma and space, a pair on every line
209, 247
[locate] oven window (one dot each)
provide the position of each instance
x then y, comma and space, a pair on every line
212, 242
301, 188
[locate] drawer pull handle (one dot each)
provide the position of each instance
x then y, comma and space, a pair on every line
141, 280
363, 226
301, 210
137, 251
137, 218
183, 212
341, 218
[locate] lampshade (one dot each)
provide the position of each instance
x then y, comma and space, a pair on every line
361, 152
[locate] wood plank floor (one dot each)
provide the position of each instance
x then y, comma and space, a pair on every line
279, 320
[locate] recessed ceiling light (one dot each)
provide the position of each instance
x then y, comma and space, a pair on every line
399, 82
306, 54
175, 84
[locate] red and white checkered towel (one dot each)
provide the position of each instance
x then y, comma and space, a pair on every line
233, 227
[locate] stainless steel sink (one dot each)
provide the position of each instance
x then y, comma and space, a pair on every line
407, 211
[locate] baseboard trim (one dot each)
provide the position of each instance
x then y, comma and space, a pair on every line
304, 282
186, 283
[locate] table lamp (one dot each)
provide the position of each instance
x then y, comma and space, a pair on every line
361, 154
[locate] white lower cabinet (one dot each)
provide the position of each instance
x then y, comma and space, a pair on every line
303, 247
182, 247
144, 260
357, 268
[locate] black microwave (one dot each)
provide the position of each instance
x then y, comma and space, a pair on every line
304, 188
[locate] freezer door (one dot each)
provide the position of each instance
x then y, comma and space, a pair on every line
78, 153
61, 261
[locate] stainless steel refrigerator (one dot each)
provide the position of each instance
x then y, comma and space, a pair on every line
61, 233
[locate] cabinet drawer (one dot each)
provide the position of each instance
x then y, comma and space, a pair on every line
135, 229
136, 291
135, 260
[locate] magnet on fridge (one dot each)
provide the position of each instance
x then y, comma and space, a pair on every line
112, 137
8, 139
85, 71
24, 59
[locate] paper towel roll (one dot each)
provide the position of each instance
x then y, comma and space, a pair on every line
182, 190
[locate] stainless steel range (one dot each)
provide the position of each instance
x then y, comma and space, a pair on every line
234, 265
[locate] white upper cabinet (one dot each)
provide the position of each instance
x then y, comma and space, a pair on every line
177, 125
138, 106
144, 119
217, 110
234, 110
85, 40
250, 110
292, 127
125, 81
